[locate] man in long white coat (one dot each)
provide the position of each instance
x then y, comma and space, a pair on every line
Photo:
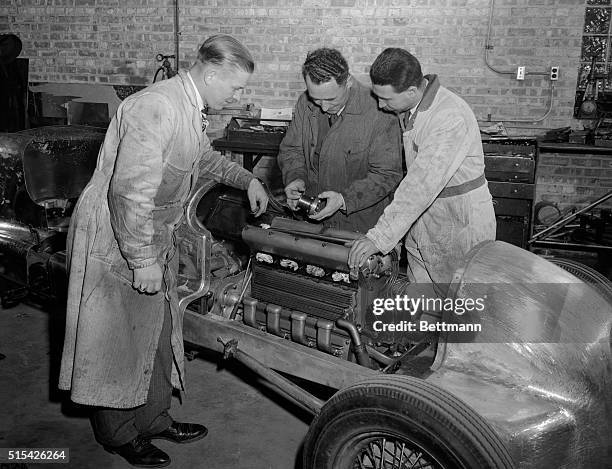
123, 349
443, 206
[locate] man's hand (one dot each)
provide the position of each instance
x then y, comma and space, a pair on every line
360, 251
148, 279
258, 197
294, 191
335, 202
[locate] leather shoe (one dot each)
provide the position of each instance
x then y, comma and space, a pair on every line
181, 432
140, 452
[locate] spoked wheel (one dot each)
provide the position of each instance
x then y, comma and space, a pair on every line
587, 274
401, 422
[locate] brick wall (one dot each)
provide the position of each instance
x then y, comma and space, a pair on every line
573, 180
115, 41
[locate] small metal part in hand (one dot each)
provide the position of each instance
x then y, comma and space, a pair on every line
311, 205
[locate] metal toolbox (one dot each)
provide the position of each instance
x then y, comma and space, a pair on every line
255, 130
510, 159
510, 168
525, 147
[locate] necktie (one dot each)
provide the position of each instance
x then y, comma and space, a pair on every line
204, 119
333, 118
407, 118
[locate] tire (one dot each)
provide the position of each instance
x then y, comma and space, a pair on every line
587, 274
391, 411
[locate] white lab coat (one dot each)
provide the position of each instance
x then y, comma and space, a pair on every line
442, 149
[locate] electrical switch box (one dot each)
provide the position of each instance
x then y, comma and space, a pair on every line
554, 73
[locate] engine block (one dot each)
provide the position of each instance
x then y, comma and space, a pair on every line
301, 286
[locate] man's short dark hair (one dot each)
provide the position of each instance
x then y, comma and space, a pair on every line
398, 68
222, 49
323, 64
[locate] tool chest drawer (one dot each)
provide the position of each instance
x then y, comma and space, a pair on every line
512, 207
510, 169
512, 230
512, 190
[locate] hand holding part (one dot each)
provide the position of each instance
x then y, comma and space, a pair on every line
333, 202
148, 279
294, 191
258, 197
310, 205
362, 249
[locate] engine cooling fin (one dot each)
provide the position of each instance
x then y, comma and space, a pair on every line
295, 291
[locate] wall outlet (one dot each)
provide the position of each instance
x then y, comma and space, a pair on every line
520, 73
554, 73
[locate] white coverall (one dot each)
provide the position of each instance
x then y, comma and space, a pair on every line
443, 204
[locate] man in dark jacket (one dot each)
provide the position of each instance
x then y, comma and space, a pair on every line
340, 146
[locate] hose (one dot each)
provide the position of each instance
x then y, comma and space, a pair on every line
275, 204
359, 348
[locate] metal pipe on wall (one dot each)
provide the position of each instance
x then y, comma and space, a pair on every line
177, 35
487, 47
527, 120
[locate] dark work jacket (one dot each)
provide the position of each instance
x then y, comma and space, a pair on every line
360, 157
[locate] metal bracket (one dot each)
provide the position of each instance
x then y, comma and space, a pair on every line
230, 348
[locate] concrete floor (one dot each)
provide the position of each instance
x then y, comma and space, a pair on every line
250, 426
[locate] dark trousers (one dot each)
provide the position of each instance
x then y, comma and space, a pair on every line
116, 427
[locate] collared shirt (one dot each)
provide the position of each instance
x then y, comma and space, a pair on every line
203, 109
404, 117
197, 93
340, 111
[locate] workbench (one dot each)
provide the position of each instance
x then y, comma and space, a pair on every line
251, 152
